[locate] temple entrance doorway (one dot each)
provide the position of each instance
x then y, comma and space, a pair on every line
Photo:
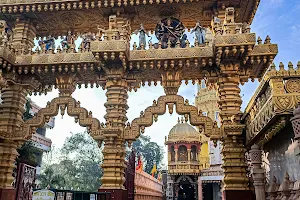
186, 189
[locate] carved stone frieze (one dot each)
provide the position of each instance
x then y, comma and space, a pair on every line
171, 53
286, 103
264, 49
292, 85
50, 14
235, 39
56, 58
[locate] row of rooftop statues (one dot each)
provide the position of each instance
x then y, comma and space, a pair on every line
170, 32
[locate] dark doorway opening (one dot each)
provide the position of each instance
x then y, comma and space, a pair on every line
208, 192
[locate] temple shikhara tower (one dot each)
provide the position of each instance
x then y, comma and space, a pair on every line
72, 45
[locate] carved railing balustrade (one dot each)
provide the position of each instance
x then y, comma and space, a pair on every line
287, 190
276, 97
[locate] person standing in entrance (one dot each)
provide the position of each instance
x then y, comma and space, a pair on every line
180, 193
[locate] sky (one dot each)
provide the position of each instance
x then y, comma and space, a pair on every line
277, 18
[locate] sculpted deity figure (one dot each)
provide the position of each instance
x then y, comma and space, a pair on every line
68, 41
170, 31
48, 43
86, 40
142, 37
199, 33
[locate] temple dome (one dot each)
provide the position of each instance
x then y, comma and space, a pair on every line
184, 132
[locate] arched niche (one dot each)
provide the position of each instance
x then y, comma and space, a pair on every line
64, 104
159, 107
182, 153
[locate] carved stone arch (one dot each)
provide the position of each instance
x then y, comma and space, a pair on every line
190, 112
81, 115
184, 177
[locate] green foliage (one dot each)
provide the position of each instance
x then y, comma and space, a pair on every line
28, 154
150, 151
27, 115
51, 178
78, 163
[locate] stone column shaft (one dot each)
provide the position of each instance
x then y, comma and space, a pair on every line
11, 109
114, 150
233, 150
257, 172
176, 155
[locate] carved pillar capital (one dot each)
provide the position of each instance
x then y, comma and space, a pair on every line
171, 81
66, 85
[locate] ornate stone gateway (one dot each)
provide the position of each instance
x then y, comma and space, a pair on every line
230, 56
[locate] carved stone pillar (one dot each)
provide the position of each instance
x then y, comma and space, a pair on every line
176, 155
24, 34
233, 151
11, 109
296, 126
189, 155
257, 172
114, 150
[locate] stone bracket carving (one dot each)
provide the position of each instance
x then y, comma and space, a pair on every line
80, 114
159, 108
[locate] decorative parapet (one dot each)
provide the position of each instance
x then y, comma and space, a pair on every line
147, 187
235, 40
172, 53
55, 58
184, 168
277, 95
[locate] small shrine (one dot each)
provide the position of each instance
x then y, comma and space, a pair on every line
187, 156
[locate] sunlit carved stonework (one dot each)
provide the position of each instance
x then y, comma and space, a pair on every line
230, 55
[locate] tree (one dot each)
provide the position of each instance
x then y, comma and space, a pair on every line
79, 163
51, 177
28, 154
150, 151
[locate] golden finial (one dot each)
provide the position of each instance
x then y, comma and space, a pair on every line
291, 66
281, 66
259, 40
268, 40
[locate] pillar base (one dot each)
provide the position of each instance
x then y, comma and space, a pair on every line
117, 194
238, 195
7, 194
